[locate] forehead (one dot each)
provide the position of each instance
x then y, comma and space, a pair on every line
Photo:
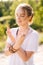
19, 11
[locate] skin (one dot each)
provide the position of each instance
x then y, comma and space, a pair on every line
22, 20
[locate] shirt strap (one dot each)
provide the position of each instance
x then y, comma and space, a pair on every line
17, 32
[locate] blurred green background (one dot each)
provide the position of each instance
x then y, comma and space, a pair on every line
7, 17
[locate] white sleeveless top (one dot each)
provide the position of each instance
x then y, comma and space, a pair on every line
29, 44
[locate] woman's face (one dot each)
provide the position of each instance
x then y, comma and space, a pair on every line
21, 17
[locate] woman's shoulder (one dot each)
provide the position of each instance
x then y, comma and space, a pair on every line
14, 29
34, 32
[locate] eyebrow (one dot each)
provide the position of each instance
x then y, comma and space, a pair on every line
21, 14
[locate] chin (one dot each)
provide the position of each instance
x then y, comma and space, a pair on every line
20, 25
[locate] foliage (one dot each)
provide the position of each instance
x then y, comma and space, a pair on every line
8, 9
2, 46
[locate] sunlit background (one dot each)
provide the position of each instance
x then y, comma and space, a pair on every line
7, 17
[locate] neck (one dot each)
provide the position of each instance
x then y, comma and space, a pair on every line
25, 27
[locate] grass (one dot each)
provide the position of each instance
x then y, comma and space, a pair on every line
2, 43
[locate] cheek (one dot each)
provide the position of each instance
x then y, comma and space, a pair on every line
25, 18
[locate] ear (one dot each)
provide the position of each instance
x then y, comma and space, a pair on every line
30, 18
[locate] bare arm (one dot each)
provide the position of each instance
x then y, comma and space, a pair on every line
25, 55
6, 51
19, 42
8, 32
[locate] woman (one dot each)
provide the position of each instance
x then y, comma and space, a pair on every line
22, 42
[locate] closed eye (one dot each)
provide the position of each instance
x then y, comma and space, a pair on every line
22, 15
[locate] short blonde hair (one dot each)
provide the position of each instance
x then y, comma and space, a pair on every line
28, 9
